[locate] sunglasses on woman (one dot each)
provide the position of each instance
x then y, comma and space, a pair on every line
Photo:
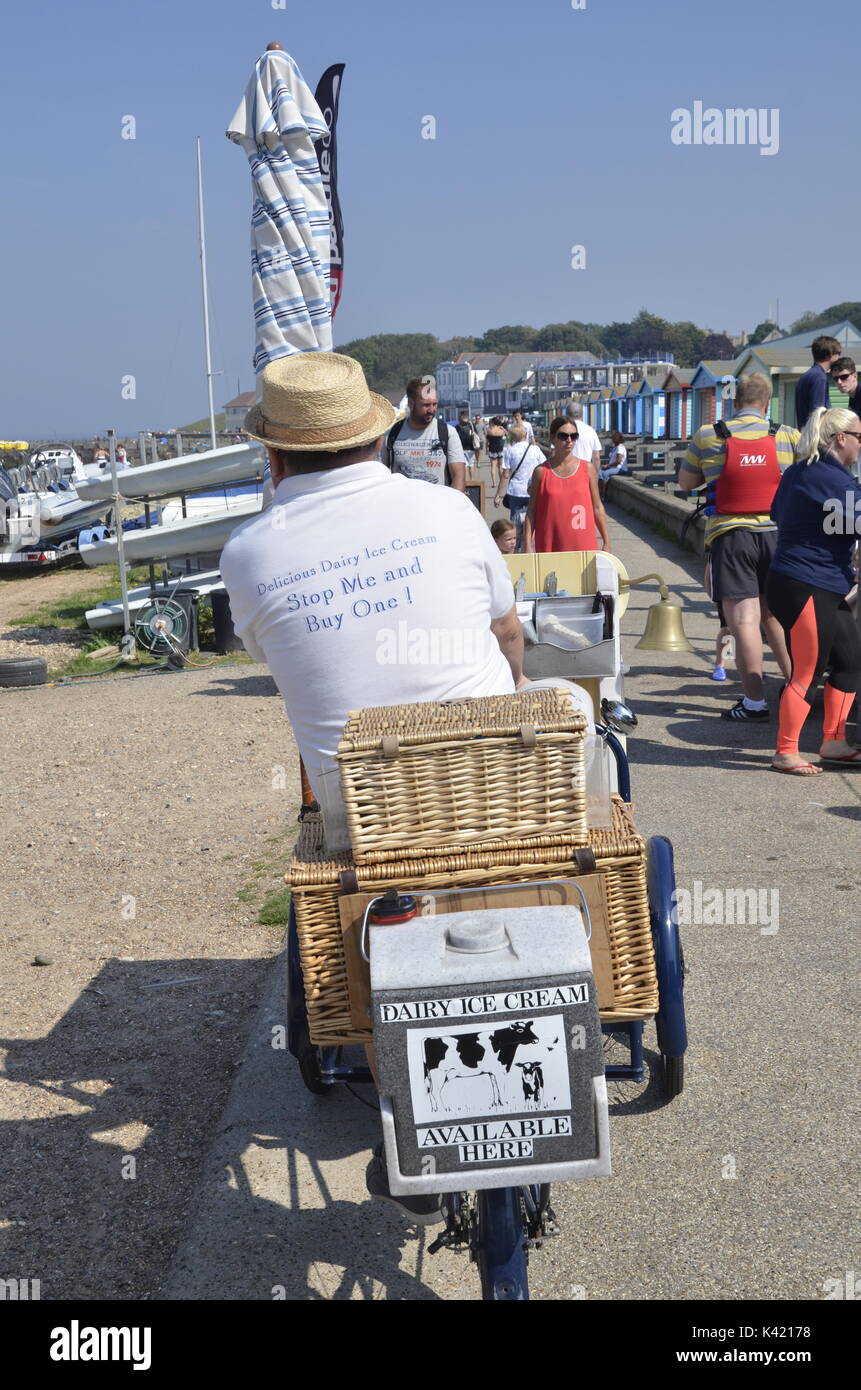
565, 434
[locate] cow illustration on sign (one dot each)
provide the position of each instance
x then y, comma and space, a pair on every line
532, 1080
506, 1068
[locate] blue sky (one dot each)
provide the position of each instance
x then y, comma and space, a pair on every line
553, 129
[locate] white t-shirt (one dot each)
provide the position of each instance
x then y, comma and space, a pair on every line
419, 454
519, 473
618, 455
588, 442
359, 587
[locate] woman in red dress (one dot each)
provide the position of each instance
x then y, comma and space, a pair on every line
565, 509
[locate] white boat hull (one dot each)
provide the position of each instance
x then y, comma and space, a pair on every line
64, 513
195, 536
215, 468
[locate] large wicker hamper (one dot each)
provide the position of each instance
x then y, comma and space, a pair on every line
316, 881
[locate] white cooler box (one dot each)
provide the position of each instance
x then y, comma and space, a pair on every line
489, 1049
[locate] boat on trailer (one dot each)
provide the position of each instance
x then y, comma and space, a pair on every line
43, 518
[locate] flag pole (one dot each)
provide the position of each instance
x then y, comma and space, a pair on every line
205, 296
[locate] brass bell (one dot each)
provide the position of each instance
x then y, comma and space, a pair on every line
664, 629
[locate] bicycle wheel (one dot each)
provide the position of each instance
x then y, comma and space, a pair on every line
501, 1240
669, 964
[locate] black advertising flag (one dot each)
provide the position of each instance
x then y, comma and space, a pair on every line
327, 94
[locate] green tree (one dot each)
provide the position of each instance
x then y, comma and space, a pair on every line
849, 309
807, 321
453, 347
686, 341
762, 330
644, 334
717, 347
509, 338
390, 359
567, 337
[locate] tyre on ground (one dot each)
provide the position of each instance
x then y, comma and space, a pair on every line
30, 670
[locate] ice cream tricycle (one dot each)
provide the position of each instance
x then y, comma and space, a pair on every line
483, 912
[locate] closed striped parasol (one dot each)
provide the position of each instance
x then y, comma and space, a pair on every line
276, 123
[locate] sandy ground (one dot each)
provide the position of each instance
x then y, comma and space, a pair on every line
58, 646
132, 813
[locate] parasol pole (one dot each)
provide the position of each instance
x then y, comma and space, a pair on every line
205, 295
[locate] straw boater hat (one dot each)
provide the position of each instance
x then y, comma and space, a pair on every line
318, 401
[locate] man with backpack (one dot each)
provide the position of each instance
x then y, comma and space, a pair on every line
423, 447
740, 462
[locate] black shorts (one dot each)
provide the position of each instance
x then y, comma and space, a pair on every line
494, 447
741, 559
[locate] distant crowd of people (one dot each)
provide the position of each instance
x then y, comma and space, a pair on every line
554, 503
780, 539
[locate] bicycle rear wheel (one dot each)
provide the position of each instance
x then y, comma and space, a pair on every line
501, 1241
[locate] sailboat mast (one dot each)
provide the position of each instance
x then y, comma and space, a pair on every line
205, 295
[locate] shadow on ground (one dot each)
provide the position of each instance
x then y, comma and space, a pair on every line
136, 1072
240, 685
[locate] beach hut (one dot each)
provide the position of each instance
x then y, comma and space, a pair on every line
783, 366
633, 409
846, 333
651, 403
617, 408
711, 401
588, 400
785, 359
679, 412
606, 394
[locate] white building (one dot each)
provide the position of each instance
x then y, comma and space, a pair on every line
236, 410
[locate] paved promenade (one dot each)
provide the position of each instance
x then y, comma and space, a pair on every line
743, 1186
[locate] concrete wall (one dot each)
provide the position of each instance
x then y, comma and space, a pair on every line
659, 509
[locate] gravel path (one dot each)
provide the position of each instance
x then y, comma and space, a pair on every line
147, 801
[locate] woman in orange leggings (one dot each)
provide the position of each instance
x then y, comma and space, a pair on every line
817, 509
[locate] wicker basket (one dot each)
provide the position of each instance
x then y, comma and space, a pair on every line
314, 879
433, 778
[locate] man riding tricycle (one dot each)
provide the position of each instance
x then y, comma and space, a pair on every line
471, 901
